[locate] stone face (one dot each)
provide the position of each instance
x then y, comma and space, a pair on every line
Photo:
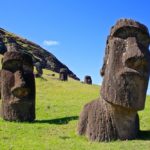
88, 79
17, 87
127, 65
63, 75
126, 72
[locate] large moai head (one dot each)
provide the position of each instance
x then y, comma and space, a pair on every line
126, 66
88, 79
17, 87
63, 74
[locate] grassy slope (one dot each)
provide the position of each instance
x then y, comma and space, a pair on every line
38, 53
58, 105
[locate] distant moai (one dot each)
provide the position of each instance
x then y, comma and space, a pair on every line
63, 74
17, 87
126, 72
88, 79
39, 70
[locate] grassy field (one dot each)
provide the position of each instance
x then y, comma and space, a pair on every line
58, 105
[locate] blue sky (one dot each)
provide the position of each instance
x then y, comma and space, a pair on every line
75, 31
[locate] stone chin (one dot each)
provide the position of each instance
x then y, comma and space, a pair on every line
129, 90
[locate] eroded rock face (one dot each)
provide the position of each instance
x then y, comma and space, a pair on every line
88, 79
63, 75
17, 87
126, 72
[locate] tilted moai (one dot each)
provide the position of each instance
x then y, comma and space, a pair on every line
63, 74
88, 80
17, 87
123, 92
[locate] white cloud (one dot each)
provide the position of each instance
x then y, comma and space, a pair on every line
50, 42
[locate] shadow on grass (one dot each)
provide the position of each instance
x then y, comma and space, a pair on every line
144, 135
58, 121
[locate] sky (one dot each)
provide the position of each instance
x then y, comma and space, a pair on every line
75, 31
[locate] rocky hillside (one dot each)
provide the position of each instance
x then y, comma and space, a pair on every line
45, 58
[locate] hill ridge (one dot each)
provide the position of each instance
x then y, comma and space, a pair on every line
39, 54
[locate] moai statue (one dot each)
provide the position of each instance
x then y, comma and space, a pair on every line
126, 72
17, 87
39, 70
88, 80
63, 74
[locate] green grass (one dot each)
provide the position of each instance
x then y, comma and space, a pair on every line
58, 105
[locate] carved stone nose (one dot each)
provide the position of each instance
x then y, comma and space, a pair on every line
19, 89
132, 51
20, 92
133, 57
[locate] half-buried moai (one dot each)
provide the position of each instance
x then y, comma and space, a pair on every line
123, 92
63, 74
39, 70
88, 79
17, 87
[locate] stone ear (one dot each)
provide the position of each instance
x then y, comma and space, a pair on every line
102, 70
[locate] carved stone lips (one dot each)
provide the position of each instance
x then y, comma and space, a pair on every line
130, 71
17, 101
137, 65
20, 91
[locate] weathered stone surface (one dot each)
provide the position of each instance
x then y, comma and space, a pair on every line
17, 87
126, 72
63, 74
88, 79
11, 45
102, 121
127, 65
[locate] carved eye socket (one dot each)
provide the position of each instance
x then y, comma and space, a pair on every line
142, 38
12, 65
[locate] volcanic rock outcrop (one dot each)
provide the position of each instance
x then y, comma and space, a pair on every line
8, 41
